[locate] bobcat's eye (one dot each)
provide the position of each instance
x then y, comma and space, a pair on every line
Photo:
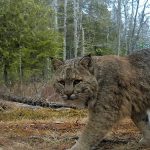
61, 82
76, 82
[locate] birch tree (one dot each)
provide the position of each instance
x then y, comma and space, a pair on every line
80, 30
56, 13
142, 21
83, 43
125, 10
75, 28
65, 28
119, 26
134, 19
134, 23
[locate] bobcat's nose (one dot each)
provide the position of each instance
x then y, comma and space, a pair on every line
68, 92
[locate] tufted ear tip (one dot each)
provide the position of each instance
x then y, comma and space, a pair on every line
56, 63
86, 61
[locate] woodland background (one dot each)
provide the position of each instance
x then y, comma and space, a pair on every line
32, 31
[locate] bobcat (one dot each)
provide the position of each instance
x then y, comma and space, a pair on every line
111, 87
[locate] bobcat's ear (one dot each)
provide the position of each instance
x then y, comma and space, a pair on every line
56, 63
86, 61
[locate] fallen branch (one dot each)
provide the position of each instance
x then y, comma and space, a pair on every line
32, 101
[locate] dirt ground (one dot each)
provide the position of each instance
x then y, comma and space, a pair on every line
58, 131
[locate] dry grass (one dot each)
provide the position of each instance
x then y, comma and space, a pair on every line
39, 128
48, 129
40, 114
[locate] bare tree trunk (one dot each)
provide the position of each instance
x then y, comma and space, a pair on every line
141, 25
56, 12
75, 28
79, 21
134, 27
20, 71
107, 37
81, 29
125, 25
119, 26
65, 29
83, 43
131, 26
134, 30
49, 71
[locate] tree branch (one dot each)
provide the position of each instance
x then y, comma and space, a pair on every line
34, 102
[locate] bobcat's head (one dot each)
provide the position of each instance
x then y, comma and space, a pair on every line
75, 82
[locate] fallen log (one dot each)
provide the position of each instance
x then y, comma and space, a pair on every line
32, 101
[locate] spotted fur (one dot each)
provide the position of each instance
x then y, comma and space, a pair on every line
111, 87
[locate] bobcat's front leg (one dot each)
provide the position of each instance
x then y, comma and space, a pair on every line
95, 130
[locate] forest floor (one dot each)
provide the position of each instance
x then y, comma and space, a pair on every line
35, 128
